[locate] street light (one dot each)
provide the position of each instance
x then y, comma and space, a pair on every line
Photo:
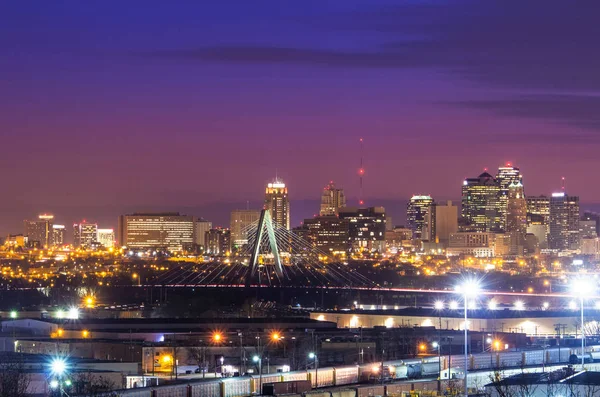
58, 367
469, 288
453, 305
582, 288
438, 305
492, 305
258, 359
519, 305
217, 337
314, 357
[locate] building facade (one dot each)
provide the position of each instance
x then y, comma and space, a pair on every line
482, 208
516, 218
328, 233
218, 242
241, 222
201, 226
332, 199
85, 234
59, 233
441, 221
416, 213
366, 227
277, 203
506, 176
39, 232
158, 231
106, 237
564, 222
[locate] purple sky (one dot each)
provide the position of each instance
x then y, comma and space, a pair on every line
108, 107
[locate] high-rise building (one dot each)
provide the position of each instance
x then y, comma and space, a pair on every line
39, 232
440, 222
157, 231
516, 218
328, 233
58, 235
218, 241
416, 211
106, 237
592, 217
481, 205
564, 222
506, 176
366, 227
587, 229
85, 234
538, 218
241, 223
332, 199
201, 227
277, 203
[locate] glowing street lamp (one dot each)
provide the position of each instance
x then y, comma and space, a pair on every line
519, 305
217, 337
438, 305
58, 368
582, 288
469, 288
258, 359
453, 305
492, 305
14, 314
314, 357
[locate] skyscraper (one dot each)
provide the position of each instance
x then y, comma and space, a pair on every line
328, 233
366, 227
241, 223
538, 218
39, 232
481, 205
440, 222
332, 199
564, 222
416, 212
58, 235
169, 231
277, 203
106, 237
516, 218
505, 177
201, 227
85, 234
218, 241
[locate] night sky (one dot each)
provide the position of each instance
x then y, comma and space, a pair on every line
108, 107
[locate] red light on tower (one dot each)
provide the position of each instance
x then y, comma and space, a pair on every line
361, 202
361, 171
508, 164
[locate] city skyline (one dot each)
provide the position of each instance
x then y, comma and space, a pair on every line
141, 101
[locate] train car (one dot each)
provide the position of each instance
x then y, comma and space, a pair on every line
171, 391
345, 375
430, 369
317, 394
343, 393
296, 375
511, 359
206, 389
407, 371
279, 388
236, 387
324, 377
370, 391
534, 357
576, 358
398, 389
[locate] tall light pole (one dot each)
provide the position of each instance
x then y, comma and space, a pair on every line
258, 359
316, 361
468, 289
439, 306
582, 288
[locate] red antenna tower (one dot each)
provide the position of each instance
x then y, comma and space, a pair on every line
564, 182
361, 172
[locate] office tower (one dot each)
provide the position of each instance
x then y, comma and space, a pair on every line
478, 244
398, 238
538, 218
59, 233
201, 227
481, 205
106, 237
39, 232
440, 222
564, 222
157, 231
277, 203
332, 199
516, 218
366, 228
85, 234
15, 241
328, 233
506, 176
592, 217
416, 211
218, 241
242, 222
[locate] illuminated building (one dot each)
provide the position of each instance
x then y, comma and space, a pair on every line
328, 233
39, 232
366, 227
85, 234
201, 227
106, 237
398, 238
277, 203
332, 199
15, 240
58, 235
416, 211
440, 222
587, 228
241, 222
516, 218
169, 231
481, 205
538, 218
592, 216
218, 241
478, 244
505, 177
564, 222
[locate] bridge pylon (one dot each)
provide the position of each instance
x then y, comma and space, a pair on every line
265, 229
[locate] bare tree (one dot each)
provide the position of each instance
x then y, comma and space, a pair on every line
14, 380
91, 385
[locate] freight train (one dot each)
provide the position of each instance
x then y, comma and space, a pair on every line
421, 370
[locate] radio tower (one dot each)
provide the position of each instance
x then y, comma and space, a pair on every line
563, 184
361, 172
